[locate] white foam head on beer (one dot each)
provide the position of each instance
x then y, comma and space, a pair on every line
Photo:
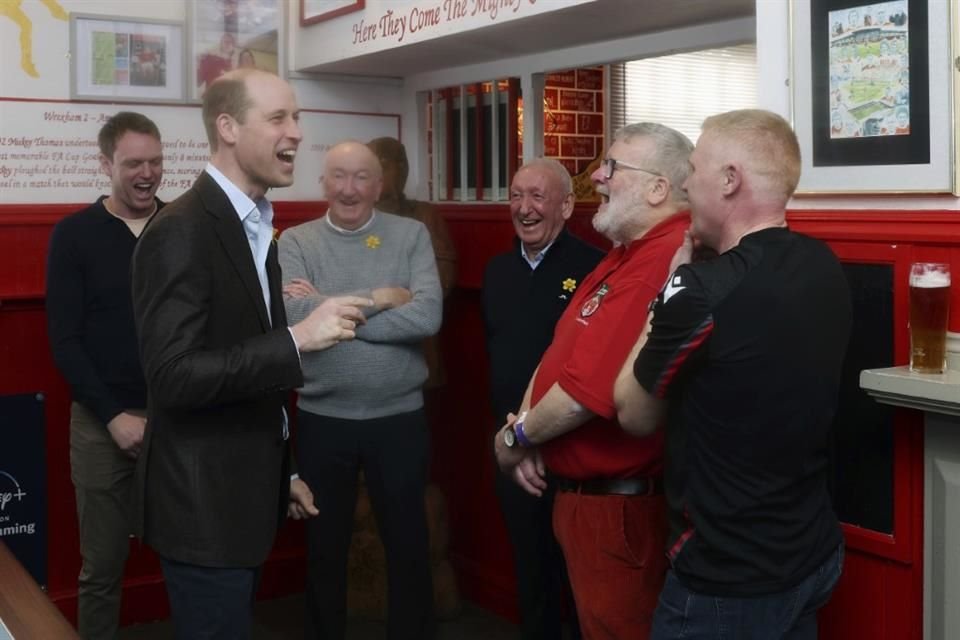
930, 280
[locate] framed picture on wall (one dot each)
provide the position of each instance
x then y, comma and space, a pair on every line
313, 11
228, 34
124, 60
871, 95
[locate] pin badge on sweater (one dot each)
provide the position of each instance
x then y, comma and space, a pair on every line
569, 285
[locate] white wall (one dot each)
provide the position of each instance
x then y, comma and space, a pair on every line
40, 107
382, 96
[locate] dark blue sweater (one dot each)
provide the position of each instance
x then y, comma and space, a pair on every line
520, 308
90, 312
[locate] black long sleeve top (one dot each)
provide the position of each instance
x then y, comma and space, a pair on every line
90, 311
520, 308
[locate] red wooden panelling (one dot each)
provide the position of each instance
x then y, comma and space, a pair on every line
560, 123
590, 123
550, 98
566, 78
28, 367
577, 146
551, 145
590, 79
880, 595
577, 100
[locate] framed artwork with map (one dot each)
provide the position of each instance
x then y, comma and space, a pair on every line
124, 60
871, 95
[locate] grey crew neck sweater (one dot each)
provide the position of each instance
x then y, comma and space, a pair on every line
381, 372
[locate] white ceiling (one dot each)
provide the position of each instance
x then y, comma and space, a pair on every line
581, 24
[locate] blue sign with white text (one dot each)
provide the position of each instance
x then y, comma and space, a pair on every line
23, 482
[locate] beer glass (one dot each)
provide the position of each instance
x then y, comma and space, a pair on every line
929, 306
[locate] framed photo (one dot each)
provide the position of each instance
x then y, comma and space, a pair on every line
313, 11
871, 96
119, 59
228, 34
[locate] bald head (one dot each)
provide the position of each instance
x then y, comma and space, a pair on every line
352, 181
352, 152
541, 201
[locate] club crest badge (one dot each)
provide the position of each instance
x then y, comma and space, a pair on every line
591, 305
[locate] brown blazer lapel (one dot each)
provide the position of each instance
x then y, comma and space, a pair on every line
230, 231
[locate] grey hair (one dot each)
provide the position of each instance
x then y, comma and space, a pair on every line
556, 167
671, 156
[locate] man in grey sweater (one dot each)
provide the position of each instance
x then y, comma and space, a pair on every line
361, 405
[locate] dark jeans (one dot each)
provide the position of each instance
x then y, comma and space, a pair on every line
208, 603
394, 454
790, 614
542, 582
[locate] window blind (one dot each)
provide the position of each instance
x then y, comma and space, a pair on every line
680, 90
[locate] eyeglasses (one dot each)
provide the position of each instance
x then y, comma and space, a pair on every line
612, 164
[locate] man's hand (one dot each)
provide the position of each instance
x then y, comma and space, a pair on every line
301, 504
525, 466
333, 321
300, 288
126, 430
531, 473
391, 297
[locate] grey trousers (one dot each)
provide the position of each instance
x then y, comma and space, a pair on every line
103, 477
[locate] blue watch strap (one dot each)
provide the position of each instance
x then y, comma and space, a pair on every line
521, 436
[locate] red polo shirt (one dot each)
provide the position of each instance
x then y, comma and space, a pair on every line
591, 342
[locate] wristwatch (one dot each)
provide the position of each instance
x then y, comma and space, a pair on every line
513, 435
510, 438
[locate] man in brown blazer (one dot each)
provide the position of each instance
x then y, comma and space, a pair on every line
220, 360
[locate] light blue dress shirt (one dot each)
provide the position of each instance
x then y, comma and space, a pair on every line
537, 259
257, 220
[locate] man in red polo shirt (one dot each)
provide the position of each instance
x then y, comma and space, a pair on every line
609, 511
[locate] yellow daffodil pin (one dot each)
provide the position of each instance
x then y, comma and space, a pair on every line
373, 242
569, 285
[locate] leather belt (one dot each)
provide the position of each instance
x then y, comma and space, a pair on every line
635, 486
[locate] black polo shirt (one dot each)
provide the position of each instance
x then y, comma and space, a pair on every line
748, 348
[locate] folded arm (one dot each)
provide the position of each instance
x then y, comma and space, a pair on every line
421, 316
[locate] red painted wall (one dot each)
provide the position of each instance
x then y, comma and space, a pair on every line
880, 595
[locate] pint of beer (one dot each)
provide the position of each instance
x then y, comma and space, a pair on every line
929, 306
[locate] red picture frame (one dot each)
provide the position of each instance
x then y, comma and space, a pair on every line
314, 11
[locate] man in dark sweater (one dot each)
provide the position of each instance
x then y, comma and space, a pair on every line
524, 293
92, 336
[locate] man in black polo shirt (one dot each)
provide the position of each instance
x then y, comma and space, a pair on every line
525, 291
744, 352
94, 343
